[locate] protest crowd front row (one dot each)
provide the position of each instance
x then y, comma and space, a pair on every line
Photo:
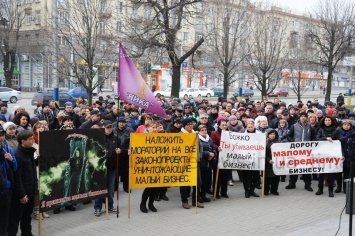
195, 147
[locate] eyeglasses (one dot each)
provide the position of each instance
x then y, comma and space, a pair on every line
187, 107
202, 118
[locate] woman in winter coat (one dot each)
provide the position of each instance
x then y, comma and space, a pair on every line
207, 154
271, 180
250, 177
282, 132
327, 131
223, 173
346, 136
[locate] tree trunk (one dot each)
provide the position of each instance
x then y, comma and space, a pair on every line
175, 86
225, 84
329, 83
9, 66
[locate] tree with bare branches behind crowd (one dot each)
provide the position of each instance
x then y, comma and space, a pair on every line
226, 34
267, 48
157, 24
12, 14
333, 33
85, 43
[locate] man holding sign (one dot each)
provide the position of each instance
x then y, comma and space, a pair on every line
300, 132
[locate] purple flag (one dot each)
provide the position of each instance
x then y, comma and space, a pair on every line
132, 88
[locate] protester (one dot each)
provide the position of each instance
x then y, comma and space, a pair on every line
112, 145
25, 186
271, 180
149, 193
327, 131
8, 166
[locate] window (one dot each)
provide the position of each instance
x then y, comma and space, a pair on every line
62, 3
199, 7
28, 19
103, 45
63, 17
62, 40
38, 18
185, 35
27, 39
119, 7
119, 26
198, 37
103, 27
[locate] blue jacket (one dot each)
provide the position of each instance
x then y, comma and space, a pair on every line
8, 168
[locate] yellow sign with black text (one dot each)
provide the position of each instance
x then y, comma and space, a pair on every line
163, 160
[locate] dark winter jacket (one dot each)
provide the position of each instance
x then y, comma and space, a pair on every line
299, 133
26, 174
268, 157
111, 143
205, 147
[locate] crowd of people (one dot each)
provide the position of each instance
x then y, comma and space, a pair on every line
280, 122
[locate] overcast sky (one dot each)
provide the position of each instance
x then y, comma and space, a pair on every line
299, 5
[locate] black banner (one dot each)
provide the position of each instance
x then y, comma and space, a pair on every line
71, 167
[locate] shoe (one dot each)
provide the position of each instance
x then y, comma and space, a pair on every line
230, 182
218, 196
152, 208
283, 179
308, 188
224, 195
86, 202
199, 204
266, 193
337, 190
206, 199
143, 208
157, 199
70, 208
258, 187
165, 198
254, 194
186, 205
319, 192
331, 194
275, 193
45, 215
247, 195
210, 192
112, 210
290, 186
56, 210
97, 212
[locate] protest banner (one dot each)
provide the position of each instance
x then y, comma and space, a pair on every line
163, 160
242, 151
307, 157
71, 167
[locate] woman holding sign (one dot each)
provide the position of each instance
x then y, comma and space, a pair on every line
271, 180
250, 177
149, 192
327, 131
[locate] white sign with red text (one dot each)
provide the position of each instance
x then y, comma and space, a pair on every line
242, 151
307, 157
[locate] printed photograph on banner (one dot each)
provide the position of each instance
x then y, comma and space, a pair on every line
307, 157
242, 151
72, 167
163, 160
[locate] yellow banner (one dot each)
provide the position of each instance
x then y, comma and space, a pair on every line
163, 160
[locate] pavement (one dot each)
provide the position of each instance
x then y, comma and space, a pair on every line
295, 212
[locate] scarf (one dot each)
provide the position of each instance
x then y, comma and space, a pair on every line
205, 139
35, 138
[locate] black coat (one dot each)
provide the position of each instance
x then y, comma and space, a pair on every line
111, 143
26, 174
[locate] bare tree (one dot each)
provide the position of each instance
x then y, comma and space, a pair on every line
226, 35
158, 26
300, 63
85, 43
333, 33
267, 46
12, 14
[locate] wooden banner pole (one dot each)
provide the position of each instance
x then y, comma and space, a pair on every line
215, 185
